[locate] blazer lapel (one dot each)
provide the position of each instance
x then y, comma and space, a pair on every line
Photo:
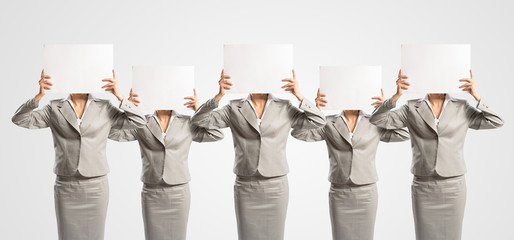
154, 128
342, 129
89, 115
246, 110
68, 114
360, 129
174, 128
271, 111
446, 115
425, 113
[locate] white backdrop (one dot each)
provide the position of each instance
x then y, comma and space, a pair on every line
193, 33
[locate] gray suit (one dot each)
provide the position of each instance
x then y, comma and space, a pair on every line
438, 189
351, 159
353, 195
81, 189
79, 149
165, 196
261, 191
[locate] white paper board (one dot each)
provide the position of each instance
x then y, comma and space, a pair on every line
163, 87
435, 68
350, 87
78, 68
258, 68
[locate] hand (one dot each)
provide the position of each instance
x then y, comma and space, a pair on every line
320, 100
193, 104
470, 86
401, 84
380, 99
292, 86
112, 86
224, 85
133, 98
44, 85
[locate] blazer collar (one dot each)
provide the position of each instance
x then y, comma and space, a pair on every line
342, 129
68, 112
246, 109
424, 109
156, 129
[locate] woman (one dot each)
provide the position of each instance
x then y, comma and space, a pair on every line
260, 127
80, 125
164, 144
437, 124
352, 143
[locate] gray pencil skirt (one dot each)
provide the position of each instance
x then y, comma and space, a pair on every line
261, 207
353, 210
165, 211
438, 207
81, 207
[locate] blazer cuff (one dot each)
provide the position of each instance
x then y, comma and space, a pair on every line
389, 103
307, 105
32, 103
127, 105
481, 105
212, 103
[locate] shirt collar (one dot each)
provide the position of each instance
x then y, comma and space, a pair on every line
90, 98
173, 114
361, 114
249, 98
448, 97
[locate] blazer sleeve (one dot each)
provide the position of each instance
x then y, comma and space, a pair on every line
123, 135
26, 116
129, 118
309, 135
206, 117
394, 135
206, 135
310, 118
383, 117
482, 117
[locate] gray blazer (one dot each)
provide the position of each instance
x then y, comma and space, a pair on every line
261, 148
79, 150
166, 160
351, 159
436, 150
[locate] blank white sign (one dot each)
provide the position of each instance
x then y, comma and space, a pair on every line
436, 68
78, 68
258, 68
350, 87
163, 87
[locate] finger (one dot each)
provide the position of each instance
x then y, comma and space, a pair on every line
135, 95
130, 94
466, 89
287, 80
465, 80
107, 85
323, 95
323, 100
226, 88
135, 100
287, 85
471, 73
294, 74
222, 73
194, 92
42, 73
289, 89
400, 73
46, 88
49, 83
377, 98
382, 92
465, 85
47, 77
113, 74
107, 80
137, 105
227, 77
377, 103
190, 98
322, 104
228, 83
318, 94
404, 77
406, 83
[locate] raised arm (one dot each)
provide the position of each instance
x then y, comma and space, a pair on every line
130, 117
309, 135
206, 117
123, 135
310, 117
206, 135
383, 117
481, 117
26, 116
394, 135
